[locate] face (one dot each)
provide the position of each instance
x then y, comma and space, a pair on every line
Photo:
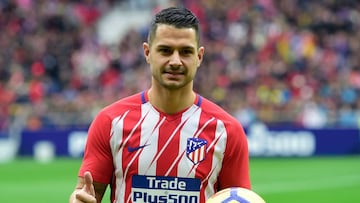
174, 57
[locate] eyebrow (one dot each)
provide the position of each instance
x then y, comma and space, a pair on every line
181, 47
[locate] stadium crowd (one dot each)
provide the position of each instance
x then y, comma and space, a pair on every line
294, 62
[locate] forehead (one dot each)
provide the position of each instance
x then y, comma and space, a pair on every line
172, 36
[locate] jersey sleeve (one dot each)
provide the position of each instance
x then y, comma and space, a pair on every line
97, 155
235, 168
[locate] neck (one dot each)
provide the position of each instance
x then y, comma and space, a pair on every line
171, 101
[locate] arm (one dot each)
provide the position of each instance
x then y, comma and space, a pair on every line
87, 191
97, 150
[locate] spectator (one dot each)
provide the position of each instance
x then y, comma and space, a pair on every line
274, 55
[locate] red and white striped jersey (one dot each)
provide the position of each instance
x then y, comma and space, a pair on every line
149, 156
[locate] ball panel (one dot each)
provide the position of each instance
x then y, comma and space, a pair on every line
235, 195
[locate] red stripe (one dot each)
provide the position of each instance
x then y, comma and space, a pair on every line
170, 151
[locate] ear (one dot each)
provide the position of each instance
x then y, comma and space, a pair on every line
146, 48
201, 51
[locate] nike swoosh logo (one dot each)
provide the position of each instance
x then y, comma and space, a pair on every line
133, 149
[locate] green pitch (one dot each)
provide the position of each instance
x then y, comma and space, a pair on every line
302, 180
277, 180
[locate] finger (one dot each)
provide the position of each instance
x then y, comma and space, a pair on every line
89, 187
83, 196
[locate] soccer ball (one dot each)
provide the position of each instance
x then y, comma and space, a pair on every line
235, 195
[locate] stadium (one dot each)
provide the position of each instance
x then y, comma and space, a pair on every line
288, 70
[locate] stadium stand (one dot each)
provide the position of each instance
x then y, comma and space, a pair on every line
294, 62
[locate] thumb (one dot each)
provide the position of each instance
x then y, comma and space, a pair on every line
89, 187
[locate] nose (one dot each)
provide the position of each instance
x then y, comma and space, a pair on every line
175, 59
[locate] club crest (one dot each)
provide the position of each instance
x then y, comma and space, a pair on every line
196, 149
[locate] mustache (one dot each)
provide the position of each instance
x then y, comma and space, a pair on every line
174, 69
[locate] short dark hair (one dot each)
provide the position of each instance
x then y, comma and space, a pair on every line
178, 17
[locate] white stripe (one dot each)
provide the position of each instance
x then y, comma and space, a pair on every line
144, 116
196, 156
116, 138
115, 141
192, 117
202, 152
218, 156
150, 138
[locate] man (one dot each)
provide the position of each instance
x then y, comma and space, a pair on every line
166, 144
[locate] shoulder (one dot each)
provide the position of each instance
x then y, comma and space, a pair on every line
126, 103
217, 112
234, 129
102, 122
236, 140
119, 107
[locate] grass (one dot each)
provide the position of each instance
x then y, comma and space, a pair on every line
25, 180
299, 180
277, 180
